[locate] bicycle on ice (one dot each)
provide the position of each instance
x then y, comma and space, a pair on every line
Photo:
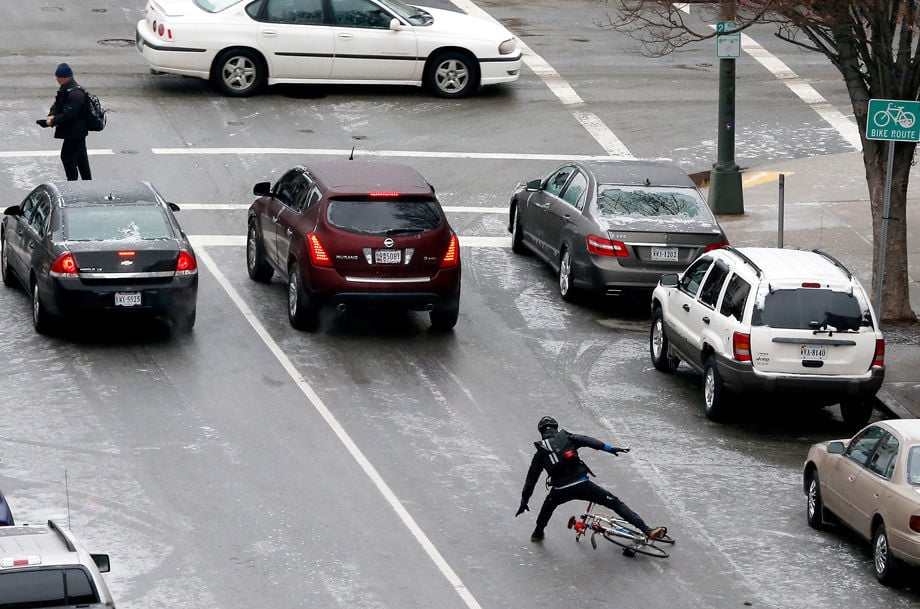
894, 113
618, 531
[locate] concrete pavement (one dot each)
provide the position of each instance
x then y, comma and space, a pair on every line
826, 206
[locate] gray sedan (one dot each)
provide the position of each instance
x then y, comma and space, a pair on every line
611, 226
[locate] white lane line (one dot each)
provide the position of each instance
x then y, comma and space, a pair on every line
458, 209
343, 436
804, 91
240, 241
10, 154
561, 89
504, 156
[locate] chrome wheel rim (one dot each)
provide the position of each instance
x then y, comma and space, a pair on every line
709, 388
36, 305
292, 293
239, 73
812, 498
565, 270
451, 76
657, 339
881, 553
251, 248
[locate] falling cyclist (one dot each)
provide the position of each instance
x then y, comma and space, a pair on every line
557, 453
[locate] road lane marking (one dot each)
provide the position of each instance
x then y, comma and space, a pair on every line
11, 154
561, 89
356, 453
240, 240
448, 208
344, 153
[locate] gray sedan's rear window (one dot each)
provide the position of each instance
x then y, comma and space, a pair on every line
384, 217
105, 222
649, 201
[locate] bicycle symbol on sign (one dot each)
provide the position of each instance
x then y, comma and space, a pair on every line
896, 114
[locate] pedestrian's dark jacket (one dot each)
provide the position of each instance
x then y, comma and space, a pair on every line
542, 461
69, 111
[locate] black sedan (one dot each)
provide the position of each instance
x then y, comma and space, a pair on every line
99, 246
612, 226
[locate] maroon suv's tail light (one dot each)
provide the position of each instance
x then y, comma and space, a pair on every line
64, 265
318, 255
186, 265
741, 346
879, 358
914, 523
715, 246
452, 255
607, 247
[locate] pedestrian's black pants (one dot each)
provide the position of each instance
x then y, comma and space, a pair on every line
586, 491
75, 159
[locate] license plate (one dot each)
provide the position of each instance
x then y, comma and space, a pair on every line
127, 299
666, 254
388, 256
813, 352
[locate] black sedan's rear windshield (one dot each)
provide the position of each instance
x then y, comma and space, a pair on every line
649, 201
106, 222
383, 216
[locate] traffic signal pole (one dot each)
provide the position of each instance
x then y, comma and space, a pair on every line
725, 194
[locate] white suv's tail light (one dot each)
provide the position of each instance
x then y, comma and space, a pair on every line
879, 358
741, 346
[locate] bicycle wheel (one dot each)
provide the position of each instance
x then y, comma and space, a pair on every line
629, 537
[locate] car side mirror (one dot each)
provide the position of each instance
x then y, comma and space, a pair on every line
13, 210
172, 206
395, 25
102, 562
836, 447
262, 189
668, 280
534, 185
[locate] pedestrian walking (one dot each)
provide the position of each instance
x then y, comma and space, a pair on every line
68, 117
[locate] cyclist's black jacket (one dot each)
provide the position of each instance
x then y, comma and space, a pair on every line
542, 460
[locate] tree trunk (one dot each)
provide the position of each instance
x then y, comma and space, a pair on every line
895, 286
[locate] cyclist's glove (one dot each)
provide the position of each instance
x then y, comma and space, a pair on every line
615, 450
523, 508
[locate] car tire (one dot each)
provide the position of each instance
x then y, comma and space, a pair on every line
814, 507
444, 318
715, 396
258, 267
6, 271
302, 311
41, 319
517, 233
883, 561
239, 72
856, 412
566, 280
658, 345
452, 74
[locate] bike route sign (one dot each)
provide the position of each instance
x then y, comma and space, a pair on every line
893, 119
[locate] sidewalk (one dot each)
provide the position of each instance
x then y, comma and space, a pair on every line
826, 206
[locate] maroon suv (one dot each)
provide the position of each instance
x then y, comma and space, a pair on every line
355, 233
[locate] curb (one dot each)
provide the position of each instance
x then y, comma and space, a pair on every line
887, 404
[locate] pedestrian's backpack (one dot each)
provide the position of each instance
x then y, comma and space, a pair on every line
95, 113
563, 454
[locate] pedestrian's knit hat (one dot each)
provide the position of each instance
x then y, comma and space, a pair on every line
63, 71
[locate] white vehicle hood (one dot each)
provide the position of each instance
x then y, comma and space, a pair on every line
463, 26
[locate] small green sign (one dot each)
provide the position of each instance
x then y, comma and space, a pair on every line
725, 27
893, 119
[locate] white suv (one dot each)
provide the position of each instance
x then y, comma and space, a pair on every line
45, 566
766, 320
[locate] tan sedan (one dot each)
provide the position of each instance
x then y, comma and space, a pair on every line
871, 483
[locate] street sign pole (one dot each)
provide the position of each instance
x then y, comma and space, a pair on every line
725, 194
893, 120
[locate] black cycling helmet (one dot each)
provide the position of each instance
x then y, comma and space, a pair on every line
546, 423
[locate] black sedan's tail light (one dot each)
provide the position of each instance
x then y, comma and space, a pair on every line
64, 265
186, 265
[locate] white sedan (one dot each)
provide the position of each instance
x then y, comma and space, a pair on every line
241, 45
